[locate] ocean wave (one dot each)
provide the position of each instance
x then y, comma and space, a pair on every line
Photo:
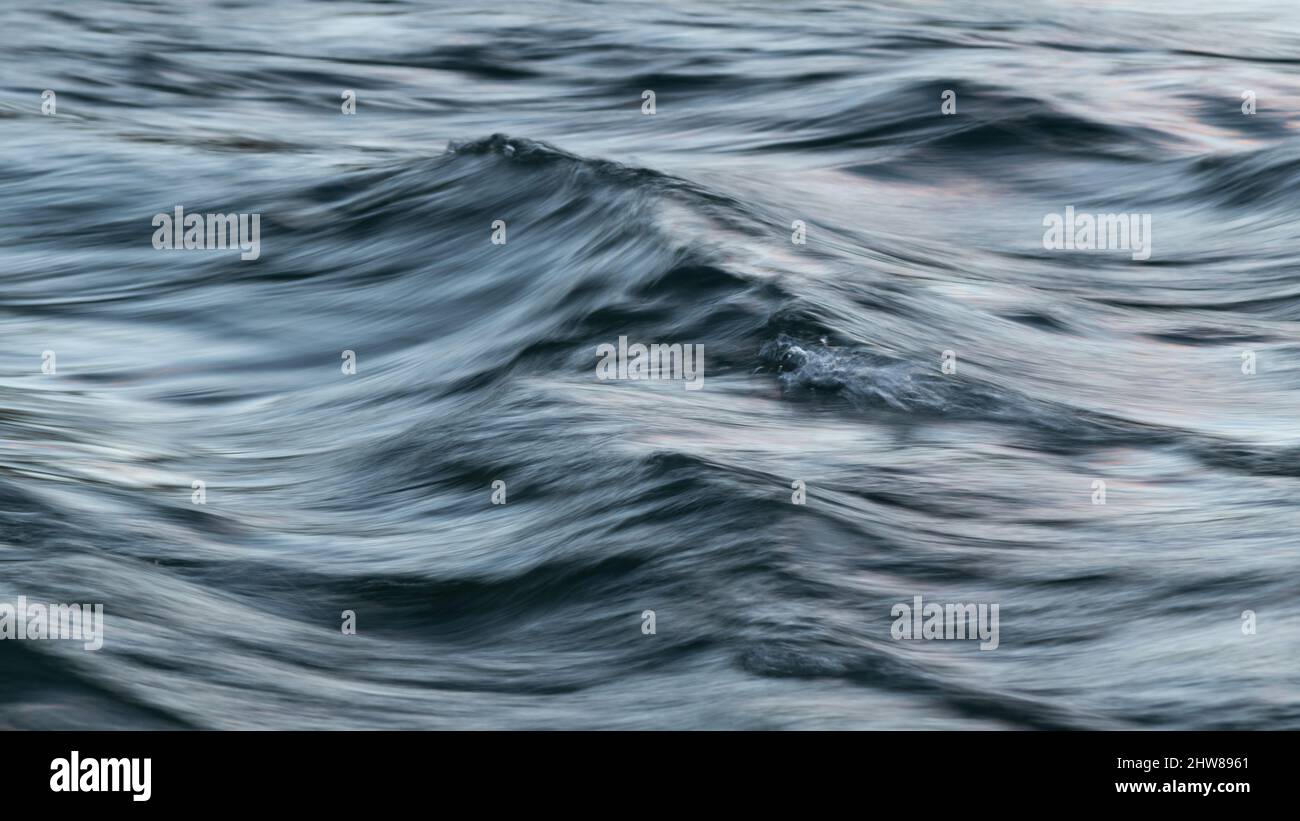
1113, 444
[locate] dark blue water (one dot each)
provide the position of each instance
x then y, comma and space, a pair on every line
372, 492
